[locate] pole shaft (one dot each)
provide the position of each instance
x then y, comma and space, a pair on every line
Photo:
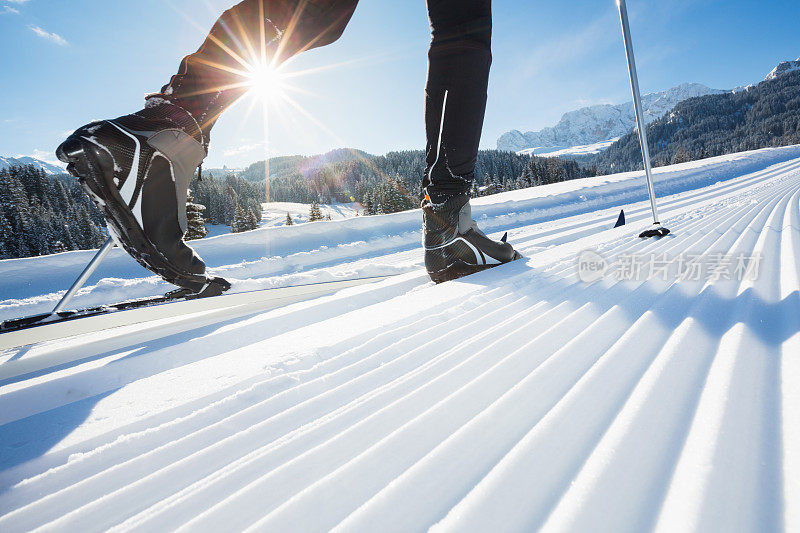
641, 127
88, 271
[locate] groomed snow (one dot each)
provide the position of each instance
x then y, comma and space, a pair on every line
518, 399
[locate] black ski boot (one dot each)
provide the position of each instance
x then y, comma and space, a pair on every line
137, 168
454, 246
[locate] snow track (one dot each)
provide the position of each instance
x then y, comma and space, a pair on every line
517, 399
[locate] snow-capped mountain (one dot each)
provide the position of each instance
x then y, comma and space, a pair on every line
591, 125
6, 162
783, 67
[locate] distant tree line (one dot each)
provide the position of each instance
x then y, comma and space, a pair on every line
760, 116
392, 182
42, 214
231, 201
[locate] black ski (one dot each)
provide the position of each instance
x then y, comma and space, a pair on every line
19, 324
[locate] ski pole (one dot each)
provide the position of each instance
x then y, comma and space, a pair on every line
88, 271
641, 127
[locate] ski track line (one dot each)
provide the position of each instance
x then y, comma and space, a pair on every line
281, 410
790, 369
648, 330
644, 436
149, 358
728, 411
261, 524
400, 512
511, 509
368, 337
291, 512
539, 455
389, 414
505, 327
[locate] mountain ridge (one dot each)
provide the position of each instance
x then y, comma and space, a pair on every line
598, 123
49, 168
784, 67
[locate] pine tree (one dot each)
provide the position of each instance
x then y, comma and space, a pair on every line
289, 221
252, 220
315, 214
196, 221
527, 179
681, 156
7, 249
239, 223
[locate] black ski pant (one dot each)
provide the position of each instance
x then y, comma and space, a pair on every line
212, 78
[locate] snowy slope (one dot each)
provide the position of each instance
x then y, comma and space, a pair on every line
595, 124
517, 399
555, 151
274, 213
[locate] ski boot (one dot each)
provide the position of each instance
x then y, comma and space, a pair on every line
454, 246
137, 169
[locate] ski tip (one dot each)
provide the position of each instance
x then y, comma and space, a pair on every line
505, 238
620, 219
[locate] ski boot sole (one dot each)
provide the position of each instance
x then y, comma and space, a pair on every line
93, 166
461, 269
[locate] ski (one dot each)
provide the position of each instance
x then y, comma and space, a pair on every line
46, 327
18, 324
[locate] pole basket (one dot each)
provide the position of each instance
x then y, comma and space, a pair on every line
657, 232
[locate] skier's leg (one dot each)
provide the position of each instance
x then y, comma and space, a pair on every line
455, 102
458, 75
249, 34
138, 167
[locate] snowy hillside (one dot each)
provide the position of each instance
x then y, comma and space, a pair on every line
595, 124
50, 168
588, 149
274, 213
660, 391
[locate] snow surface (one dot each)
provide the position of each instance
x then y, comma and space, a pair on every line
516, 399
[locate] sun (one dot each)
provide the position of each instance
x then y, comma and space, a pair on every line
266, 82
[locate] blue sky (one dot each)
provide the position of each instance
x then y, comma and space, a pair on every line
65, 63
